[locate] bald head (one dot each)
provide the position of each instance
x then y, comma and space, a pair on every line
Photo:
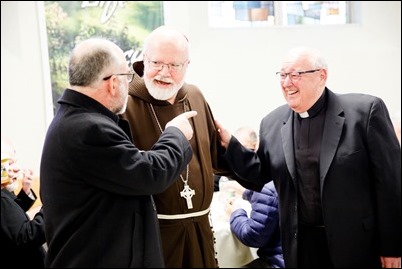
91, 59
98, 69
247, 137
307, 55
169, 39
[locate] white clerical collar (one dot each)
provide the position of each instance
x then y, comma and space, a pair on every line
304, 115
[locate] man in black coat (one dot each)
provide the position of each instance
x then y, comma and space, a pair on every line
336, 164
96, 186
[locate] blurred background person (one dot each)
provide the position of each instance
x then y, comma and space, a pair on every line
260, 227
248, 137
22, 238
232, 253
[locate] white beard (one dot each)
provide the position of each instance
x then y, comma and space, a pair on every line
162, 93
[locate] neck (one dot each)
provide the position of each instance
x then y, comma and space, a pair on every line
172, 99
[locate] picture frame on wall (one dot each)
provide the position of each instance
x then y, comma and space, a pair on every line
68, 22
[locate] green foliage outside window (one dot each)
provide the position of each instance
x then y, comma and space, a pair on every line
124, 22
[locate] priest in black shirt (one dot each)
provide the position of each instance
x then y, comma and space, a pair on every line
336, 164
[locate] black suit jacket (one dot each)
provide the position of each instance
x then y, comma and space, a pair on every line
360, 176
21, 238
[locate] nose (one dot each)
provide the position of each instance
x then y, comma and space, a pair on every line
287, 81
165, 71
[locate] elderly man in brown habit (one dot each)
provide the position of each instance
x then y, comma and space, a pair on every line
157, 95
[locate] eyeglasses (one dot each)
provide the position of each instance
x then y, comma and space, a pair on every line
171, 67
129, 76
295, 75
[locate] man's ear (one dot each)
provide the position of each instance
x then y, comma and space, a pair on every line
111, 85
324, 74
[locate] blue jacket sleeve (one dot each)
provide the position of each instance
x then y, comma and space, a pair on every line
257, 230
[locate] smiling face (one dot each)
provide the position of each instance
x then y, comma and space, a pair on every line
165, 83
303, 90
166, 57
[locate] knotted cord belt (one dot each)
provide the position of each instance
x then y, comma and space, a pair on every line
184, 216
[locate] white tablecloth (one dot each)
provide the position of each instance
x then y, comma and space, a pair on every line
231, 252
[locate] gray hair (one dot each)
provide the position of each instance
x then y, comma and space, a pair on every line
89, 60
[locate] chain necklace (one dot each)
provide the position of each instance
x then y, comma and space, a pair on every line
187, 193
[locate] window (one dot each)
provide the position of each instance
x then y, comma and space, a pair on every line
124, 22
270, 13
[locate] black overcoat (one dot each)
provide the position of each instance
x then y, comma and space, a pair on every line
96, 187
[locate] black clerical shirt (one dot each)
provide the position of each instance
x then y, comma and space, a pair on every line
307, 141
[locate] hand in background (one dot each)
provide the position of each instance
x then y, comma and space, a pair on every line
233, 192
224, 134
237, 203
27, 180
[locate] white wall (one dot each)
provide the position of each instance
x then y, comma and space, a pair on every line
23, 95
235, 68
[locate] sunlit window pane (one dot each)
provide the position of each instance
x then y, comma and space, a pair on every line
314, 12
270, 13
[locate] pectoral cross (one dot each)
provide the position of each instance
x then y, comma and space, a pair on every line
187, 193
